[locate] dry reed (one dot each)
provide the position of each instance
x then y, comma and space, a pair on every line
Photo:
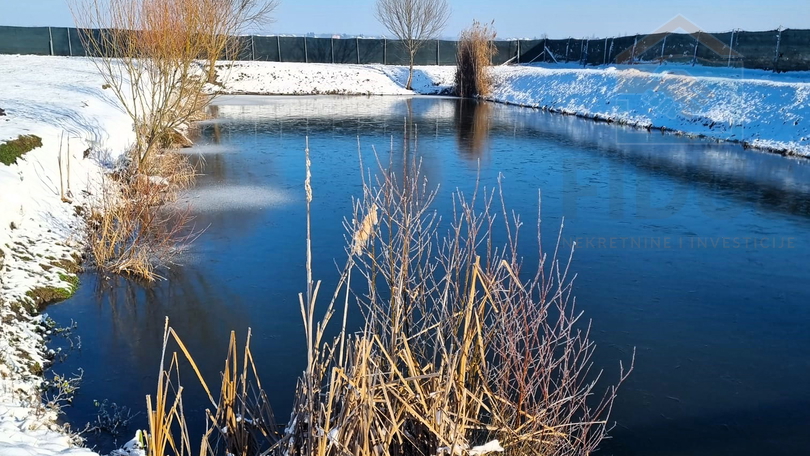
463, 350
473, 59
132, 228
456, 349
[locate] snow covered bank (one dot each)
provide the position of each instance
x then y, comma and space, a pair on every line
759, 113
759, 109
273, 78
60, 100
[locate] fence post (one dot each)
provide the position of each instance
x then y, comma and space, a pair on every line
604, 54
252, 48
306, 53
517, 57
567, 44
357, 47
730, 48
663, 47
633, 52
50, 39
332, 48
70, 45
278, 43
776, 54
697, 41
438, 62
385, 51
610, 52
583, 53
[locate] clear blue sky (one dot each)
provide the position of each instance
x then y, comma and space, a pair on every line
513, 18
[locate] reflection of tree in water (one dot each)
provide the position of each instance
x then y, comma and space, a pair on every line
187, 293
472, 128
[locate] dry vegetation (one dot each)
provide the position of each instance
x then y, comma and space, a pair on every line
473, 59
156, 56
133, 228
464, 350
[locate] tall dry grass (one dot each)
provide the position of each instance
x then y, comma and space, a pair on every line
464, 350
473, 59
134, 228
457, 350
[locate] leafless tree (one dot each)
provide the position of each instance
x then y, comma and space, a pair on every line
413, 22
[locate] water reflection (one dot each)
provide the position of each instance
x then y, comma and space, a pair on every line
472, 128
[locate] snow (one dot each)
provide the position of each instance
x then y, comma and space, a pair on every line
61, 100
760, 113
760, 109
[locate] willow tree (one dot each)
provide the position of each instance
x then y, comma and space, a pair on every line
413, 22
157, 55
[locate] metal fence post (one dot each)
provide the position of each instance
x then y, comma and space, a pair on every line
610, 52
332, 48
697, 41
70, 45
567, 44
517, 57
385, 51
278, 42
357, 47
663, 46
582, 52
252, 48
50, 39
604, 54
633, 52
730, 48
306, 54
438, 62
776, 54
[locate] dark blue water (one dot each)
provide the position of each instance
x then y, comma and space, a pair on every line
693, 252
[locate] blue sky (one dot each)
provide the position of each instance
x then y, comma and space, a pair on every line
513, 18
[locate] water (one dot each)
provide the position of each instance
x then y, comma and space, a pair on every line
693, 252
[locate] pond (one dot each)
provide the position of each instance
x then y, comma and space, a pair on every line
693, 252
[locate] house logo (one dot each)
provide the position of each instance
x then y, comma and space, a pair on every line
678, 25
677, 96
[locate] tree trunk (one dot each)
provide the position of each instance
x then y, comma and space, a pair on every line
410, 73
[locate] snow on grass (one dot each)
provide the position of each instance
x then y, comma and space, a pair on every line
760, 113
760, 109
61, 100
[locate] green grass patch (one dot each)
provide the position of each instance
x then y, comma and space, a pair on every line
48, 295
13, 149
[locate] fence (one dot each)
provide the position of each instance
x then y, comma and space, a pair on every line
778, 50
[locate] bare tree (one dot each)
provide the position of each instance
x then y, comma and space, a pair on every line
157, 55
413, 22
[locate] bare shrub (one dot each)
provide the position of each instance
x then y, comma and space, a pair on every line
131, 229
157, 56
413, 22
457, 349
473, 59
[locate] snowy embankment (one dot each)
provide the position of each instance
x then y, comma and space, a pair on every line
60, 100
758, 109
